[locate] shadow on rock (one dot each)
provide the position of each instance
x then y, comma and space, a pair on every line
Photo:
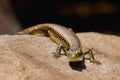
79, 65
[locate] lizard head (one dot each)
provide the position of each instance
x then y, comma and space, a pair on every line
75, 56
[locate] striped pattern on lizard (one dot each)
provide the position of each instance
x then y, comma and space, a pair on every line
66, 39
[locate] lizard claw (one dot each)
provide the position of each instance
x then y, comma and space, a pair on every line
56, 55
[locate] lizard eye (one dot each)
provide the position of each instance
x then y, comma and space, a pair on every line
79, 54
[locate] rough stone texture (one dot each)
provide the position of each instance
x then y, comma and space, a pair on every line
25, 57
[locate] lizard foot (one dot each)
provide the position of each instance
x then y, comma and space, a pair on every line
95, 61
56, 55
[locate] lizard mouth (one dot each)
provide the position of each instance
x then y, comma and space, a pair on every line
78, 59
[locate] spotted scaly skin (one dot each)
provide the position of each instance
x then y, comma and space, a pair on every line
66, 39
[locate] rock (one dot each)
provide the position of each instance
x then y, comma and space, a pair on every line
27, 57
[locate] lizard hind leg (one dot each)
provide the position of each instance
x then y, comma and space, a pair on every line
91, 56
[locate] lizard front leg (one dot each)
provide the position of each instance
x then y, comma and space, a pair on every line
58, 51
54, 37
91, 56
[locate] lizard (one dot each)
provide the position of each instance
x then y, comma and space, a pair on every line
66, 39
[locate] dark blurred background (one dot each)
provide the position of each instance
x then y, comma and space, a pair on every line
81, 15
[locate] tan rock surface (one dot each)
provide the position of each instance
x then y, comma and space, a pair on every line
24, 57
